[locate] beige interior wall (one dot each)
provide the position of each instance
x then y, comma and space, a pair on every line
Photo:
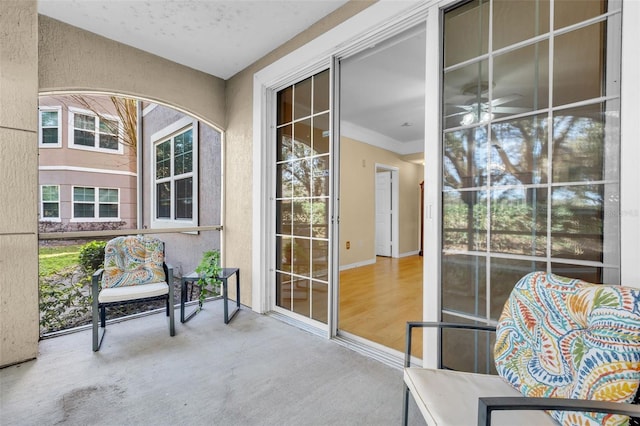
19, 329
357, 200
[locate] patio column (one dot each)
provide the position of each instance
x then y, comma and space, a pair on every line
19, 312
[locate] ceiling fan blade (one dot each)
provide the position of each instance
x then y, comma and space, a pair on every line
509, 110
456, 114
464, 109
505, 99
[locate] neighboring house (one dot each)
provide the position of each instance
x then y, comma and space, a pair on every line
87, 174
181, 182
88, 178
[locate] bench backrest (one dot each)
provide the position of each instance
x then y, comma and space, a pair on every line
565, 338
133, 260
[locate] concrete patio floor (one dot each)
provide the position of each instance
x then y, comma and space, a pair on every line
255, 371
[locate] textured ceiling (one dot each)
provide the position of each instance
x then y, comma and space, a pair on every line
382, 88
219, 37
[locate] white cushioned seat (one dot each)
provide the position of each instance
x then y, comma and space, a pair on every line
447, 397
119, 294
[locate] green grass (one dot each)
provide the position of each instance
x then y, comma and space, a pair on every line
55, 259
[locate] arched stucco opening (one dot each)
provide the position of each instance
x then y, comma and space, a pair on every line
102, 165
71, 60
48, 56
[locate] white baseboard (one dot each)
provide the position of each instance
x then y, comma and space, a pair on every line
358, 264
372, 261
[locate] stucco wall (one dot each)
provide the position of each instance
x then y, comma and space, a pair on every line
19, 330
73, 59
183, 250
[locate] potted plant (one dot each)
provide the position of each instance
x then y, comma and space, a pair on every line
209, 269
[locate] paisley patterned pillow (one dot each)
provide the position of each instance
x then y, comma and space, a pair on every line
133, 260
565, 338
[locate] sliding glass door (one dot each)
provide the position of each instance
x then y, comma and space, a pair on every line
530, 143
302, 191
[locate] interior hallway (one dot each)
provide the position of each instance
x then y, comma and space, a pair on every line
377, 300
254, 371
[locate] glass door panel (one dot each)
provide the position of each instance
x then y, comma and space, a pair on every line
302, 198
530, 154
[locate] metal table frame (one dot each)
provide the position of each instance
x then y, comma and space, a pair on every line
223, 277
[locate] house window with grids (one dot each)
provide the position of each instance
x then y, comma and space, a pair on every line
50, 132
95, 203
90, 131
175, 180
50, 203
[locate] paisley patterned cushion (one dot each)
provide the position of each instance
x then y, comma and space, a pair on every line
133, 260
565, 338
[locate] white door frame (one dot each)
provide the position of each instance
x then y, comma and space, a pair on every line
372, 23
395, 207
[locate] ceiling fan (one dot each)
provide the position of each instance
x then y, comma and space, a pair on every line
479, 109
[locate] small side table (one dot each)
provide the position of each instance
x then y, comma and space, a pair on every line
223, 277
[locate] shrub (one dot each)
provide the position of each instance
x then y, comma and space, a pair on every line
92, 256
63, 304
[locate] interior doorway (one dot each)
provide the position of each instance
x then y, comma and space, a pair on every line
381, 151
384, 213
386, 209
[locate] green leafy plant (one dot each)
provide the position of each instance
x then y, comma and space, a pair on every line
63, 304
92, 256
209, 269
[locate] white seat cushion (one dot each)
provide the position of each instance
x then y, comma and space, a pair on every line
118, 294
447, 397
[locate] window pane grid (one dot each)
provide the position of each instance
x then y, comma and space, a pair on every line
302, 197
83, 194
50, 198
49, 127
174, 160
82, 121
96, 132
87, 206
530, 173
108, 195
50, 193
50, 210
85, 138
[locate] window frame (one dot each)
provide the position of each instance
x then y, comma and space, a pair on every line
41, 213
96, 132
611, 268
41, 143
168, 134
96, 205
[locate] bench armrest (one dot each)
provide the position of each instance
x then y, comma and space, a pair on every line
488, 404
95, 282
439, 325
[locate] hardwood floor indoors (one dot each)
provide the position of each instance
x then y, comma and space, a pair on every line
377, 300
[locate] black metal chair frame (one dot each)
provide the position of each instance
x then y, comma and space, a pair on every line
486, 405
99, 313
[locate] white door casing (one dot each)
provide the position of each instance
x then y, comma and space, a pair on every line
384, 236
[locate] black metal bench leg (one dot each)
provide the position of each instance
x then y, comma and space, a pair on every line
103, 317
405, 408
